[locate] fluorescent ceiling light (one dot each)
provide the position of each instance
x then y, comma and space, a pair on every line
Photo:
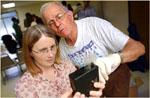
8, 5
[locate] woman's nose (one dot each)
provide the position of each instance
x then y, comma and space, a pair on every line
50, 53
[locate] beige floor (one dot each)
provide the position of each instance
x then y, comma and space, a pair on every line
8, 89
14, 74
143, 89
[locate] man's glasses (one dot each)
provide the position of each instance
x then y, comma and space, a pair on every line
44, 51
58, 17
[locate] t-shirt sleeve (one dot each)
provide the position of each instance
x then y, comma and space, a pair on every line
110, 36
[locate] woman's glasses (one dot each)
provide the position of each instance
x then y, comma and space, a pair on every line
45, 51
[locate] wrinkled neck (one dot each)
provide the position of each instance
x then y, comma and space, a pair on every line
72, 38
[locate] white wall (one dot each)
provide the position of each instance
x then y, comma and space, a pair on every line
114, 11
22, 10
117, 13
98, 7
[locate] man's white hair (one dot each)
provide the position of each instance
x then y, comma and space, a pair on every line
49, 4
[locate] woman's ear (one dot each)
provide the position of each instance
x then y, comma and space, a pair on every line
31, 54
70, 14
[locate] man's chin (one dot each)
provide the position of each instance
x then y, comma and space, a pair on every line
62, 35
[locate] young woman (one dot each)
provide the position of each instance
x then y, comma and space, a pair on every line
47, 75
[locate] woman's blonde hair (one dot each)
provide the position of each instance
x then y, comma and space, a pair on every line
31, 36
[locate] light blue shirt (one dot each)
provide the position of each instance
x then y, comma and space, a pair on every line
89, 11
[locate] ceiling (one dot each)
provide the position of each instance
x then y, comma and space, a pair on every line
19, 3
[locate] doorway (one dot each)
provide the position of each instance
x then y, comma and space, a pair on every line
139, 15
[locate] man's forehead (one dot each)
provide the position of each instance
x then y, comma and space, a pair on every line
54, 8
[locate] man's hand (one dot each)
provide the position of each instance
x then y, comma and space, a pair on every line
105, 65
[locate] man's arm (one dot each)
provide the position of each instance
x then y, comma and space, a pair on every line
132, 50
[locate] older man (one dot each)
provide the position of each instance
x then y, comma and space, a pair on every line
90, 40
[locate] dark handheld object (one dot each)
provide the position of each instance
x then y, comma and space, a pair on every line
83, 79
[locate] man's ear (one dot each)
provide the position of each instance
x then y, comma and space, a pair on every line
70, 14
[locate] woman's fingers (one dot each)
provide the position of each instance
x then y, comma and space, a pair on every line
82, 96
98, 93
99, 85
79, 95
68, 93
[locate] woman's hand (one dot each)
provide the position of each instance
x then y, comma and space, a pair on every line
68, 93
98, 93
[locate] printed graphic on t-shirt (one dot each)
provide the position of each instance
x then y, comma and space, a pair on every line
86, 55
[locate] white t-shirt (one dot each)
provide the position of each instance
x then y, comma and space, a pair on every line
96, 37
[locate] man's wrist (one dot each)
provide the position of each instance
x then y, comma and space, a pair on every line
121, 56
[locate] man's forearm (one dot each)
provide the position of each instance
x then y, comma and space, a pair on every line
132, 50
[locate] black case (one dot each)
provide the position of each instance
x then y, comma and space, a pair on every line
82, 80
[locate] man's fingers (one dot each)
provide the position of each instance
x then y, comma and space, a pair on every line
67, 93
108, 68
102, 68
101, 78
108, 64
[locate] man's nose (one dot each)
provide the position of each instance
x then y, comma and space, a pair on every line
57, 23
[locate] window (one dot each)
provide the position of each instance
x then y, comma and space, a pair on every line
6, 23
